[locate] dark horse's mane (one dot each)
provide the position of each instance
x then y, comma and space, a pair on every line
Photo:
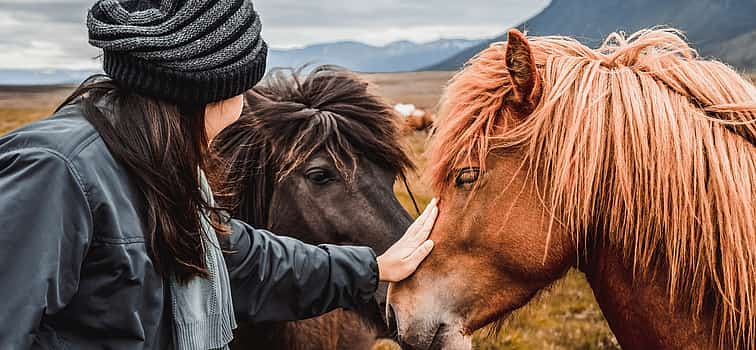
289, 117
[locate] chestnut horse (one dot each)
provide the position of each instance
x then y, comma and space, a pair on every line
634, 163
316, 157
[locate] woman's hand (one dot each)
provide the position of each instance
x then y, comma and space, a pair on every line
402, 259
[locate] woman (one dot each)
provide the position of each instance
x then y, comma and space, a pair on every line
109, 237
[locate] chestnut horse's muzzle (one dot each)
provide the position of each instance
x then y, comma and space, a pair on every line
418, 342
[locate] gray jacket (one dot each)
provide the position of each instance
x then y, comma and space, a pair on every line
75, 272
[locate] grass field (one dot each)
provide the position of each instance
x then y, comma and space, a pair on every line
564, 317
21, 105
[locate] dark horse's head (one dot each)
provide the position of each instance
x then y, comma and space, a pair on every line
315, 157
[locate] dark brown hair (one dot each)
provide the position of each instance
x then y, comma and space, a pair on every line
289, 117
163, 145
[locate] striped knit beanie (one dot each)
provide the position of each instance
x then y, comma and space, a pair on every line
186, 51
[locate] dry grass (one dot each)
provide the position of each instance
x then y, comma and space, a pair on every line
22, 105
564, 317
420, 88
11, 118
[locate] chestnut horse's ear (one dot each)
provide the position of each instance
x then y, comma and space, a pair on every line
526, 82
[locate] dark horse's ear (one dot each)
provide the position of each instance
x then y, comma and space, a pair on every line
526, 82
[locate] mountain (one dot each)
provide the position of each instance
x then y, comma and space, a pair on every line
43, 76
740, 51
395, 57
717, 28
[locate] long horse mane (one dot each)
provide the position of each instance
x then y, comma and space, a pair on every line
288, 118
639, 141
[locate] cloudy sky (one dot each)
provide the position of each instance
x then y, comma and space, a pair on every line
51, 33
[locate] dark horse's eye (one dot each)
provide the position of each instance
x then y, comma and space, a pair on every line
319, 176
467, 177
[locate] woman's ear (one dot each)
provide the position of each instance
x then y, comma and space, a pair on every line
219, 115
526, 81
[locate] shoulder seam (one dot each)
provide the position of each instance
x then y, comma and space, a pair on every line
76, 175
84, 144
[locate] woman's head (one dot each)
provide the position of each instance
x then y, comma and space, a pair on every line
175, 73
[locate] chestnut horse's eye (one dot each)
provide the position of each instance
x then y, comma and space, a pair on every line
319, 176
467, 177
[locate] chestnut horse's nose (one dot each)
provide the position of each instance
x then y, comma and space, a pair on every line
393, 327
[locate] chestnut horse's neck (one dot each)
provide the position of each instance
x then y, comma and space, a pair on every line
639, 312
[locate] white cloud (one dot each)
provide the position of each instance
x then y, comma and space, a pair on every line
32, 58
51, 33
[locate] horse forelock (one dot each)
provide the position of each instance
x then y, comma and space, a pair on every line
640, 141
291, 116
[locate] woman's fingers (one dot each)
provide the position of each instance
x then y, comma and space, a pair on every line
423, 230
421, 219
403, 257
418, 256
415, 232
427, 227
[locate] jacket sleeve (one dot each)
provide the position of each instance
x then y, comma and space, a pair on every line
45, 226
275, 278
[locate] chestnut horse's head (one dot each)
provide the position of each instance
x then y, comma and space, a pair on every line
547, 151
493, 248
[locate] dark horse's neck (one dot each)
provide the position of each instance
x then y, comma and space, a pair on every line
639, 312
339, 329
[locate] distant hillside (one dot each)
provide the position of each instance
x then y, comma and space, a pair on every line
717, 28
740, 51
395, 57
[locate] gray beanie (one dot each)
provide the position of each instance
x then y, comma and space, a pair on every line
189, 51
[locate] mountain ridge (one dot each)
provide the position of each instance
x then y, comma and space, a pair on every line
591, 21
398, 56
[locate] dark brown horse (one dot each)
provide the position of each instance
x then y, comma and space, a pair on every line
316, 157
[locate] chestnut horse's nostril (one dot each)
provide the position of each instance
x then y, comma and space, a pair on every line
393, 327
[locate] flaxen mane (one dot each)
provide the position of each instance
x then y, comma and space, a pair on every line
288, 118
640, 141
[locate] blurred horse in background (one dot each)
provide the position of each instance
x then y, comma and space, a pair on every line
315, 157
634, 162
415, 119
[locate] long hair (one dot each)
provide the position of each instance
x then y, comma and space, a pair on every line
163, 146
640, 142
288, 118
